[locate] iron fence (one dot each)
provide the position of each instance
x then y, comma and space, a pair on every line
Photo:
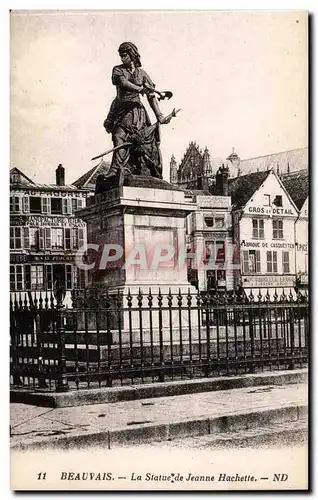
110, 339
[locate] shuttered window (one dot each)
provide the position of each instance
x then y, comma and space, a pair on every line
271, 262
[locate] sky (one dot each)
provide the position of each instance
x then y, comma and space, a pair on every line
239, 77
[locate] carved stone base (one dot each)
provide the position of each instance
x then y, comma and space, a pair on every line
145, 214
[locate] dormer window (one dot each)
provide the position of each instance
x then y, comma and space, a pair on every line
209, 221
278, 201
15, 178
219, 222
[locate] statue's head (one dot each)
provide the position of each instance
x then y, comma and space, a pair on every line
131, 49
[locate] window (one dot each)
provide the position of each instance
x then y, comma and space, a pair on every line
34, 238
286, 268
74, 205
68, 269
26, 237
57, 237
258, 228
15, 238
15, 204
267, 200
16, 277
56, 206
41, 238
278, 232
220, 252
48, 279
278, 201
251, 261
209, 252
36, 277
75, 238
47, 232
80, 278
209, 221
67, 206
271, 262
80, 237
46, 205
67, 239
15, 178
220, 277
35, 205
219, 222
27, 277
26, 204
12, 278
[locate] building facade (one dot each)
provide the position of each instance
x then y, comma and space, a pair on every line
264, 222
267, 240
194, 170
45, 233
209, 237
297, 185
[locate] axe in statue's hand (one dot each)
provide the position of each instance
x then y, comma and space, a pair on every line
167, 119
162, 95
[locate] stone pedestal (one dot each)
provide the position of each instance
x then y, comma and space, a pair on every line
140, 218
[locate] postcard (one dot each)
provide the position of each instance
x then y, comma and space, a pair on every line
159, 297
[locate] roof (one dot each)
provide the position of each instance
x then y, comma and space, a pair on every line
88, 180
242, 188
297, 186
23, 179
26, 183
45, 187
290, 160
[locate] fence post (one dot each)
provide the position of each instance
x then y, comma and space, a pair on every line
110, 307
292, 338
208, 339
62, 382
161, 377
251, 331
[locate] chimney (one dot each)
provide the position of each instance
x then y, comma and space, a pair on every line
60, 175
222, 181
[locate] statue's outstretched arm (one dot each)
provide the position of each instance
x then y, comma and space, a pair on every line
153, 102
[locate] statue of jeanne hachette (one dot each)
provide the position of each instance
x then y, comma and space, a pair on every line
136, 142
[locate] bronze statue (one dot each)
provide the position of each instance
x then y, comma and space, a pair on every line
136, 142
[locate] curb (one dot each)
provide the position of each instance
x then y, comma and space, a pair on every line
155, 390
144, 433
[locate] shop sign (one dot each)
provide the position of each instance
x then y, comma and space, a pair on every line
301, 247
268, 281
270, 211
39, 221
266, 244
51, 258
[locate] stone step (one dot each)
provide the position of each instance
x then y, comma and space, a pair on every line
278, 435
223, 429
